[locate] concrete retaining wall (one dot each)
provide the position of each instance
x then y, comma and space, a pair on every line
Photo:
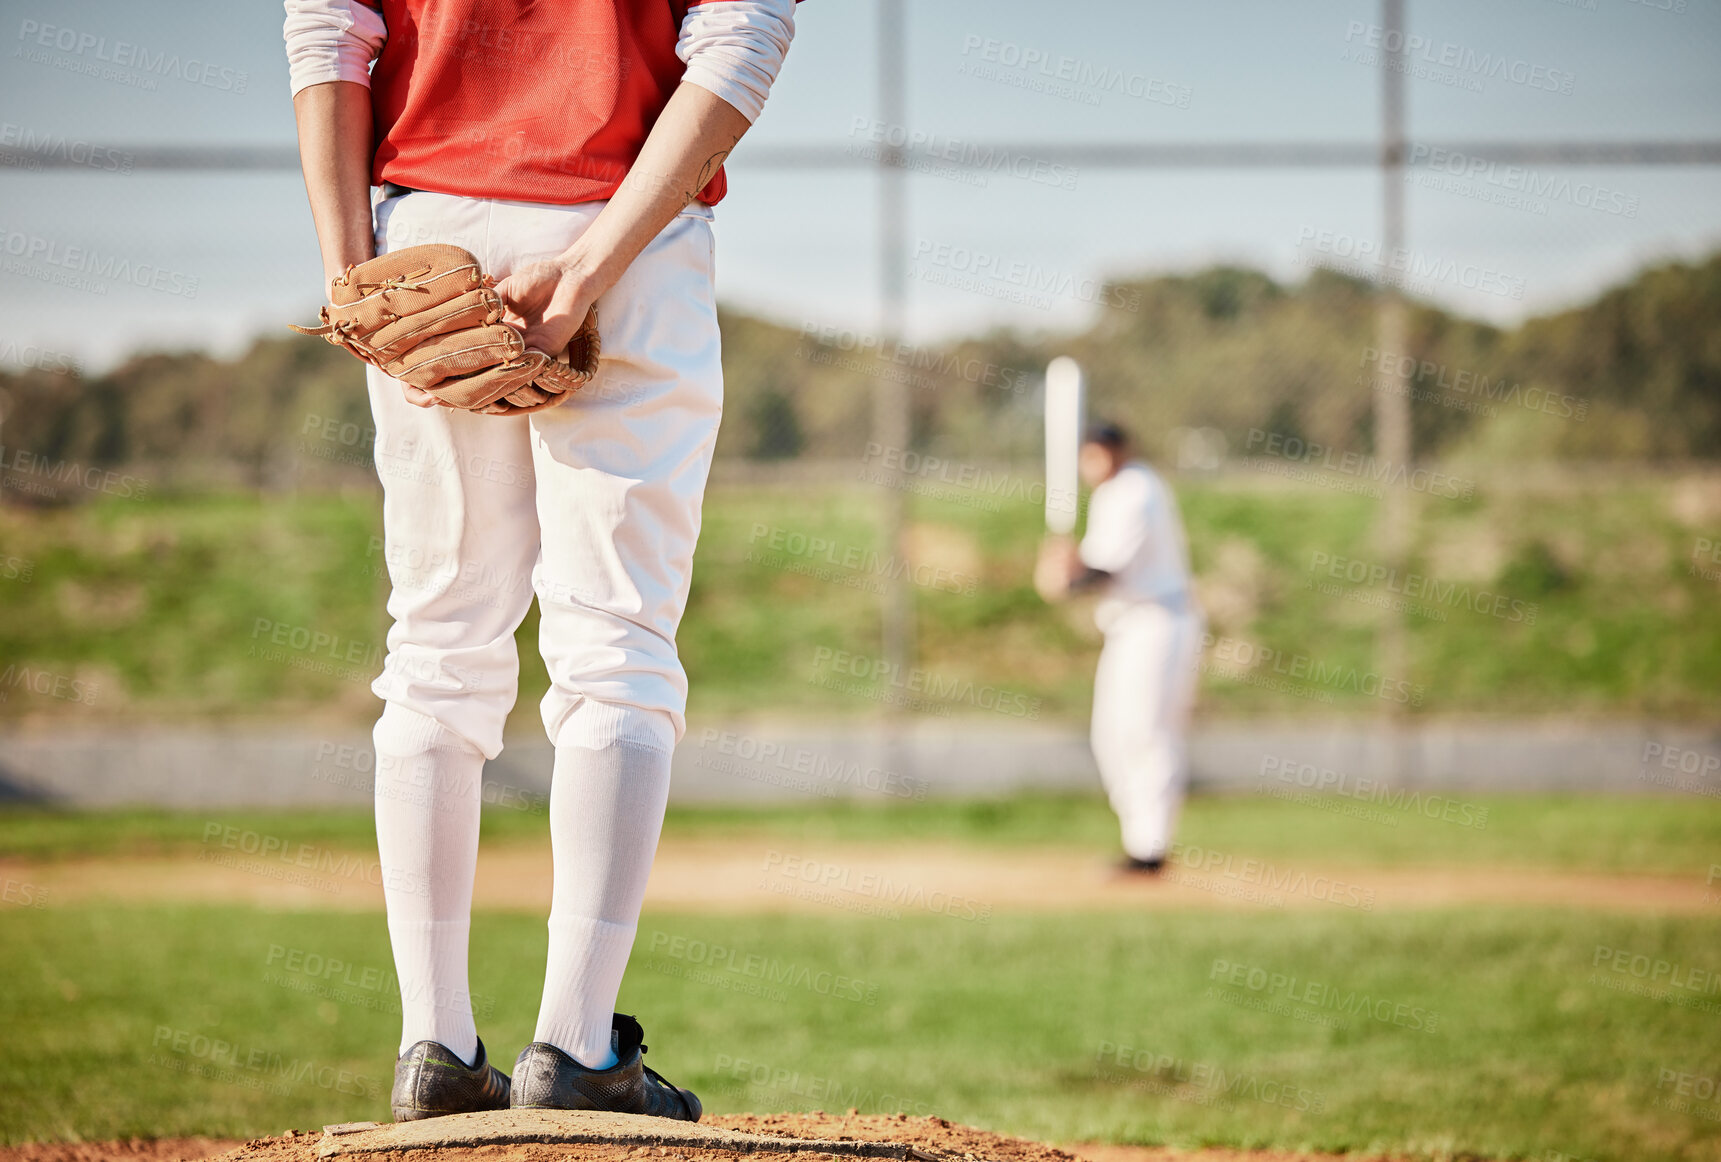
740, 763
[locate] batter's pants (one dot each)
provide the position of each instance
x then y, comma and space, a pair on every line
1143, 694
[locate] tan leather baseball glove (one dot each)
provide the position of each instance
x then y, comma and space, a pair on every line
429, 316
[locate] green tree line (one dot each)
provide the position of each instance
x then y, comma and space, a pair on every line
1634, 375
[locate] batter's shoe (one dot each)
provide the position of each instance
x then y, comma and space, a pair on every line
430, 1081
545, 1078
1145, 868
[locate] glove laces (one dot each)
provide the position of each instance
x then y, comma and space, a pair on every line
394, 282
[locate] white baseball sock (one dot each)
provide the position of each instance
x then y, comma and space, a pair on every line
606, 812
428, 796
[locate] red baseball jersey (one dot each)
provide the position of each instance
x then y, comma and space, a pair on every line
528, 100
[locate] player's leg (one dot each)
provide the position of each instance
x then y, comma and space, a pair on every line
1116, 732
1169, 714
621, 476
460, 542
1143, 693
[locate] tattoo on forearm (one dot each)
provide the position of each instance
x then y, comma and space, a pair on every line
711, 166
655, 185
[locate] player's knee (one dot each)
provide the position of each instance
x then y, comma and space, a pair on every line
402, 731
640, 689
592, 723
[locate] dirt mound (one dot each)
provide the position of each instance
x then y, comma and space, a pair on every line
120, 1150
518, 1136
531, 1136
949, 1140
933, 1136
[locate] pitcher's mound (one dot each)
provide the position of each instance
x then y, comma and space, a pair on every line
542, 1135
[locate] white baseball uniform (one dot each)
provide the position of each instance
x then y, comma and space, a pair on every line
1145, 686
592, 506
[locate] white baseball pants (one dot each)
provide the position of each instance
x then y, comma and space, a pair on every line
1144, 691
594, 505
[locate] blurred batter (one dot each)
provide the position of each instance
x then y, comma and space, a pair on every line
1135, 557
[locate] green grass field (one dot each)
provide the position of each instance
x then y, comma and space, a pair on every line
1498, 1031
1580, 597
1438, 1033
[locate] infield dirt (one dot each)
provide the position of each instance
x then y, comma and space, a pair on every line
812, 1137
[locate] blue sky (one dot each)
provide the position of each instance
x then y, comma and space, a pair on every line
234, 256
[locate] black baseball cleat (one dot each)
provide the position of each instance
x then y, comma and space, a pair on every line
1131, 866
430, 1081
545, 1078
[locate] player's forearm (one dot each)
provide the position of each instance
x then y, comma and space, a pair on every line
695, 133
334, 122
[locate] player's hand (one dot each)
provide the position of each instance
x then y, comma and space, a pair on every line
419, 398
1055, 568
547, 300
